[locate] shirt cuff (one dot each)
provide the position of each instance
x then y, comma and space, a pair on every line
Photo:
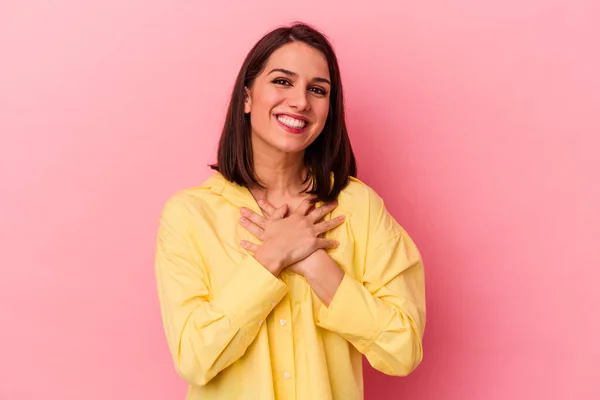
250, 294
352, 313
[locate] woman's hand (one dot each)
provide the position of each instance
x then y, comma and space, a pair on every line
288, 239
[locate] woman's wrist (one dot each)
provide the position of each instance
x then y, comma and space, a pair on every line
273, 264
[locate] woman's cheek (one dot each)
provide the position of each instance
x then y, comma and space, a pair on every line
272, 97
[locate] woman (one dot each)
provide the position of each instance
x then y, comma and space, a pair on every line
282, 269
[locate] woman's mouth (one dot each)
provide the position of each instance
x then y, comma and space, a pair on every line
291, 124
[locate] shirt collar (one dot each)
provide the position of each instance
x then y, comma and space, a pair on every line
236, 194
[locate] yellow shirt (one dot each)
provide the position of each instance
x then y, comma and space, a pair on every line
236, 331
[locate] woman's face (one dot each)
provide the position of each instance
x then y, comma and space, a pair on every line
289, 101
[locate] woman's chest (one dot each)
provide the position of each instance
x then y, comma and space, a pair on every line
222, 253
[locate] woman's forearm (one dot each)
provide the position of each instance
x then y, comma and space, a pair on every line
323, 275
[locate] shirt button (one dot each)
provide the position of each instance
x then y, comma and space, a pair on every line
282, 322
273, 304
286, 375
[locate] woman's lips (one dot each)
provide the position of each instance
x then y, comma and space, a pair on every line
291, 124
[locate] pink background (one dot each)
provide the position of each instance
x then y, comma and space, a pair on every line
476, 121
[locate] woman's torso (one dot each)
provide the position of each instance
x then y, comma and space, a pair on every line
291, 357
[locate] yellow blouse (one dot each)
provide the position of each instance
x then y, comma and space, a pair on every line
236, 331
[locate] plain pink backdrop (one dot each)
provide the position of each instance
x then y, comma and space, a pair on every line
477, 122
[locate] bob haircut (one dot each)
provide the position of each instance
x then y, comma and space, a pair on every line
329, 159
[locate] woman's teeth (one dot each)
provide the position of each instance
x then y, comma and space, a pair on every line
291, 122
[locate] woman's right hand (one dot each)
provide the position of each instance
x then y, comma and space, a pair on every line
288, 239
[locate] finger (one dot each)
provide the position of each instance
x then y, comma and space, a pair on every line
251, 227
306, 205
318, 213
280, 212
267, 207
251, 247
254, 217
328, 225
327, 244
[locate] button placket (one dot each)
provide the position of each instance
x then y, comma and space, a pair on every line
285, 363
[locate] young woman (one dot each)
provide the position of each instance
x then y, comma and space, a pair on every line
280, 271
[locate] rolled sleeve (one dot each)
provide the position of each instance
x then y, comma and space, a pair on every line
250, 293
352, 312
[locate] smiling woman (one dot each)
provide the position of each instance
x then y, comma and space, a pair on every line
290, 75
296, 101
279, 272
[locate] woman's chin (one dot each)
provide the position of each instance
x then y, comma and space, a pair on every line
282, 143
291, 149
290, 146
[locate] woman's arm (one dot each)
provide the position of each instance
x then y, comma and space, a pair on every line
383, 312
207, 332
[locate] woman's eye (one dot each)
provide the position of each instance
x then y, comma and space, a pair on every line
281, 82
285, 82
318, 91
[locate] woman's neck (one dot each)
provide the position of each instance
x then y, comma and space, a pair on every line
282, 176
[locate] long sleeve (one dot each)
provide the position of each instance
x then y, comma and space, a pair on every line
382, 313
206, 332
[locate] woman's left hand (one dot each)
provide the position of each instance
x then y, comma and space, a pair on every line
301, 267
322, 273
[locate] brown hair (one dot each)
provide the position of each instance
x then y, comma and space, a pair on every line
329, 158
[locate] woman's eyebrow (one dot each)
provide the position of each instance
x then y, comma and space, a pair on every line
293, 74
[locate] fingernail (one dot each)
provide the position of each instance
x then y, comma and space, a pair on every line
341, 217
243, 220
244, 211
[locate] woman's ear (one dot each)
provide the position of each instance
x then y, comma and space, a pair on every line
247, 101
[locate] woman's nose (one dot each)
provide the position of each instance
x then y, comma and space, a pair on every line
298, 98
